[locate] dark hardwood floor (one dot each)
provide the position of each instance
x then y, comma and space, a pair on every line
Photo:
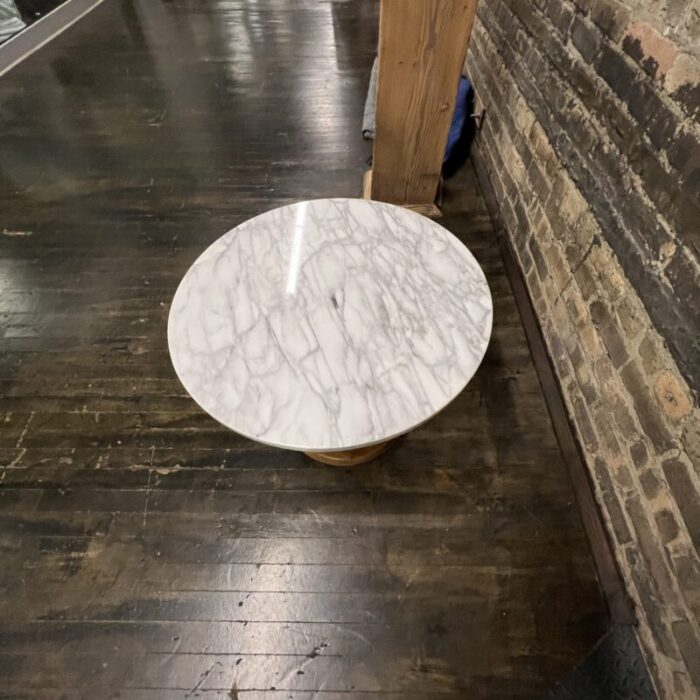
148, 553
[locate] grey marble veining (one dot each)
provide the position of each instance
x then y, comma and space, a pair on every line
330, 324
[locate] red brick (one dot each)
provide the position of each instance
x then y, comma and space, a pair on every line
672, 396
651, 50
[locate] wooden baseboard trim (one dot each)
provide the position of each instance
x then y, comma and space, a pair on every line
617, 599
41, 32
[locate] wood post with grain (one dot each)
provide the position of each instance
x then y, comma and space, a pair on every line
422, 46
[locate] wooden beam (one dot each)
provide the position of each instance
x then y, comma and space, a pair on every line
432, 211
422, 45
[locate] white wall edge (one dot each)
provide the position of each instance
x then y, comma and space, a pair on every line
41, 32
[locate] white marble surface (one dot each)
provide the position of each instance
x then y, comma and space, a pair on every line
330, 324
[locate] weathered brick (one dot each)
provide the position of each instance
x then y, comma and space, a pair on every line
647, 408
508, 214
585, 381
683, 273
573, 204
630, 318
578, 309
609, 331
582, 236
639, 454
583, 423
622, 230
573, 255
535, 288
607, 436
586, 38
683, 83
641, 218
688, 569
684, 153
540, 183
608, 273
536, 216
509, 186
654, 556
623, 417
521, 239
552, 207
616, 72
654, 614
651, 484
544, 153
587, 282
688, 642
610, 179
540, 264
610, 15
663, 127
579, 128
686, 494
612, 504
556, 347
651, 354
691, 440
672, 396
604, 372
526, 260
538, 296
556, 265
667, 525
645, 105
590, 340
652, 51
521, 215
682, 212
549, 289
679, 209
573, 348
561, 316
561, 15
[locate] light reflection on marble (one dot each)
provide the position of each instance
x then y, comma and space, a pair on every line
330, 324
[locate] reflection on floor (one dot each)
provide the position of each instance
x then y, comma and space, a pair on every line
149, 553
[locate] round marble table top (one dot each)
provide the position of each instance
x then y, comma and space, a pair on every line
330, 324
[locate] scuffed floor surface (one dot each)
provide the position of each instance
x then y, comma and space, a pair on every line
147, 553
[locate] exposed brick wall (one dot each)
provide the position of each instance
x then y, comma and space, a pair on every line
591, 143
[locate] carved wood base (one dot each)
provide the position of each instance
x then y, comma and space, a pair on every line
350, 458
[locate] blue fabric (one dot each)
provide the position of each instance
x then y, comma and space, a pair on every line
459, 117
461, 129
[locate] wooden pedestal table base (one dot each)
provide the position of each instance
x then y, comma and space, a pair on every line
351, 458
